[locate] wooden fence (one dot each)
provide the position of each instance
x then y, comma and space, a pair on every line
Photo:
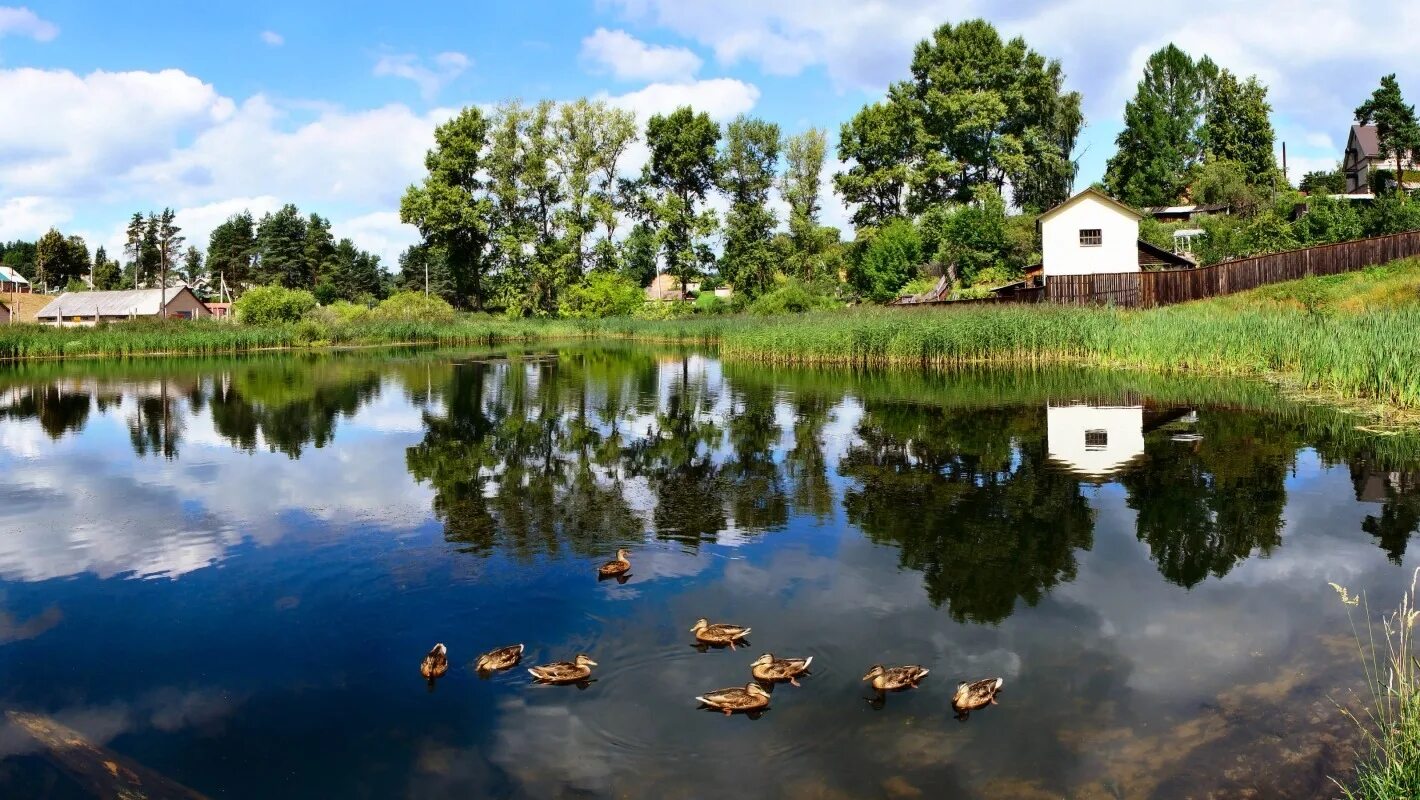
1151, 289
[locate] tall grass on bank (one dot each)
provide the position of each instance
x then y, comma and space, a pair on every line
1389, 763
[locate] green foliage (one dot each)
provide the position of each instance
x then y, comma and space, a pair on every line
1331, 181
992, 277
792, 296
58, 260
1328, 220
107, 275
711, 303
887, 259
1158, 147
603, 294
639, 254
340, 312
1392, 214
231, 250
266, 305
976, 111
919, 285
968, 239
1237, 127
281, 244
413, 306
680, 173
746, 174
653, 310
807, 241
1227, 182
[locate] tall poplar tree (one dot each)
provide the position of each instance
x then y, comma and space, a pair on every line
803, 169
747, 170
1159, 145
680, 173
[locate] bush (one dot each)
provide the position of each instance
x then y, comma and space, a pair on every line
341, 312
265, 305
922, 285
887, 260
603, 294
663, 309
791, 297
409, 306
711, 303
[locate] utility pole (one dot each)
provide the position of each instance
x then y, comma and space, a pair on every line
426, 277
1284, 165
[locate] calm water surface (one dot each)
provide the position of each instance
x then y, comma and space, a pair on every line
227, 572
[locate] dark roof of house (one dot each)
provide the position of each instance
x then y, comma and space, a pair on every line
1165, 256
1368, 138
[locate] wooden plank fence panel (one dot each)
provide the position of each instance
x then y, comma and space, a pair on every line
1150, 289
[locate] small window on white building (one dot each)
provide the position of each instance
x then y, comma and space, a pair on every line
1091, 237
1096, 440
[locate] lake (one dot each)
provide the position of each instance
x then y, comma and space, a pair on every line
227, 571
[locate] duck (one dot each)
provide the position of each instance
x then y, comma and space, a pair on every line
574, 671
891, 679
977, 694
769, 669
435, 664
719, 633
752, 697
500, 659
619, 566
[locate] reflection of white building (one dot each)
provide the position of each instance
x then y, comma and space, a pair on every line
1095, 441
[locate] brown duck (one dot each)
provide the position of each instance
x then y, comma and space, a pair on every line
575, 671
978, 694
616, 567
719, 633
891, 679
769, 669
435, 664
500, 659
752, 697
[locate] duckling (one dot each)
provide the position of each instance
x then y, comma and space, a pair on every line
574, 671
435, 664
769, 669
972, 696
752, 697
719, 633
500, 659
620, 566
891, 679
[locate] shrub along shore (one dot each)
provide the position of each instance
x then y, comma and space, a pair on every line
1303, 334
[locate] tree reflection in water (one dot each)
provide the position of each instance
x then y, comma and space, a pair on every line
595, 448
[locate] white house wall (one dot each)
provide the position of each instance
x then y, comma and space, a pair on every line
1063, 254
1068, 430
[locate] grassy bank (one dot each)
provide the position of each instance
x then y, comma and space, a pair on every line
1348, 337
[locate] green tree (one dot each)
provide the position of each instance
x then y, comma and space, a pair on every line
230, 251
355, 275
107, 274
194, 270
887, 259
1331, 181
879, 143
603, 294
281, 249
968, 239
1237, 127
423, 267
1159, 147
319, 247
976, 111
170, 241
616, 132
746, 173
452, 207
639, 252
134, 246
680, 173
803, 170
1396, 126
1225, 182
59, 260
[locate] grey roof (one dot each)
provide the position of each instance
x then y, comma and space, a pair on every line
1368, 139
9, 275
133, 302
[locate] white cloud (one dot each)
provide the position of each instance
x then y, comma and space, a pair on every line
379, 232
721, 98
430, 78
21, 217
630, 59
272, 38
20, 21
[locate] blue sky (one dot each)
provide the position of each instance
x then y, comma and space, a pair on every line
212, 107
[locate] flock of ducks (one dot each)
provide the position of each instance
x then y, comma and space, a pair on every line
753, 697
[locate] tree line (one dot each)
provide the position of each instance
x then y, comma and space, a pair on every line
533, 210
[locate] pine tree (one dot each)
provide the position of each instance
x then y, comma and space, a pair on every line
1396, 125
1238, 128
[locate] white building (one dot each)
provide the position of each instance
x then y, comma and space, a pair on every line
1090, 233
1094, 442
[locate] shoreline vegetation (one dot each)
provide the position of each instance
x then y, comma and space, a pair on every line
1345, 340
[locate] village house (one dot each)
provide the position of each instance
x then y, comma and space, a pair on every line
1092, 233
1363, 158
12, 282
89, 308
667, 287
1097, 442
